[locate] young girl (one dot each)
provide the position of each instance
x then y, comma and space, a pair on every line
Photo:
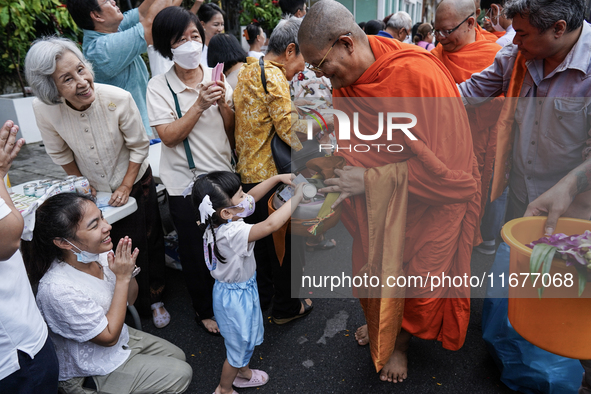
228, 243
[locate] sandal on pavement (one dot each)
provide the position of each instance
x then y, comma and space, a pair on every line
160, 319
200, 323
284, 320
258, 378
325, 244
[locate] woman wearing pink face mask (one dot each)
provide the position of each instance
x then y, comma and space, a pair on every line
194, 118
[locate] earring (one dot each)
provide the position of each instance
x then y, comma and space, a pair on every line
230, 220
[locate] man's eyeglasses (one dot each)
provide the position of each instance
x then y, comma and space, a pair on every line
447, 33
317, 68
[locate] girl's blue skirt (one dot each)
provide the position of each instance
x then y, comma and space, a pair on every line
238, 313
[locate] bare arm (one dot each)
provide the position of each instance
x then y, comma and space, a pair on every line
278, 218
175, 132
227, 114
148, 11
263, 188
121, 195
122, 263
132, 292
196, 5
72, 168
11, 226
558, 200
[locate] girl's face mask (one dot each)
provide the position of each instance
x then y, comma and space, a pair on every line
248, 204
83, 256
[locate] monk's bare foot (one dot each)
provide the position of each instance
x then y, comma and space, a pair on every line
210, 325
396, 369
362, 335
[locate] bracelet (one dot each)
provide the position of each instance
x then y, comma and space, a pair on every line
136, 271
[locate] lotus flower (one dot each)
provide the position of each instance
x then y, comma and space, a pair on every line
575, 249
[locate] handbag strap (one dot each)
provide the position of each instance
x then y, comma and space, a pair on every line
186, 140
263, 78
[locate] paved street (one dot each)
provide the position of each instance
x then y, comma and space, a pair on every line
317, 354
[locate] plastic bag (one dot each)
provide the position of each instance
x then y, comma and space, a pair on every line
524, 367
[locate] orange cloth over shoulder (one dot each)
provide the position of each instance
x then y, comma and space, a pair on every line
487, 34
443, 190
498, 34
472, 59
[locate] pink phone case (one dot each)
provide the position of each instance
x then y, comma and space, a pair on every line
217, 72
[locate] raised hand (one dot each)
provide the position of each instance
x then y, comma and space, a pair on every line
122, 261
9, 146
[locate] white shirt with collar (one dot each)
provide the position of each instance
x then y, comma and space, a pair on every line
507, 38
553, 115
209, 143
102, 139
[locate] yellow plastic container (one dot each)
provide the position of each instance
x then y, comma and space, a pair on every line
560, 322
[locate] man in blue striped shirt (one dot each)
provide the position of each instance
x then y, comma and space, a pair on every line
113, 42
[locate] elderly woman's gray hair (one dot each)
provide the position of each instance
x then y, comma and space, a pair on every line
400, 20
40, 64
543, 14
285, 33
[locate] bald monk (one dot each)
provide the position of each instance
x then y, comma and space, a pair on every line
464, 52
434, 181
488, 35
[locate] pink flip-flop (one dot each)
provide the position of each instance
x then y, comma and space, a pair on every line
258, 378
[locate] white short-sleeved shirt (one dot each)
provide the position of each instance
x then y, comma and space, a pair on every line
233, 245
74, 305
255, 54
208, 140
203, 60
21, 325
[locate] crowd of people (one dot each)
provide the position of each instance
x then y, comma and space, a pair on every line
419, 211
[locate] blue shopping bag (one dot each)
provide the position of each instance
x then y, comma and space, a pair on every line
524, 367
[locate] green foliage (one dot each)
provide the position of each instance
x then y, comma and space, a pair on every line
266, 13
21, 22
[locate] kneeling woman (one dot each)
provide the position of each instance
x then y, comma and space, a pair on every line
84, 288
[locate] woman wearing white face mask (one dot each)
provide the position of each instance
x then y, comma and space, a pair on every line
195, 120
85, 284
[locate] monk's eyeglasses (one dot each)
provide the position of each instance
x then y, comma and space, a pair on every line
447, 33
317, 68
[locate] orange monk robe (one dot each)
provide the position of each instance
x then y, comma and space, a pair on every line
443, 192
498, 34
472, 59
486, 34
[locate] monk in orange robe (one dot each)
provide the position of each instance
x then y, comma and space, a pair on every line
465, 52
414, 211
